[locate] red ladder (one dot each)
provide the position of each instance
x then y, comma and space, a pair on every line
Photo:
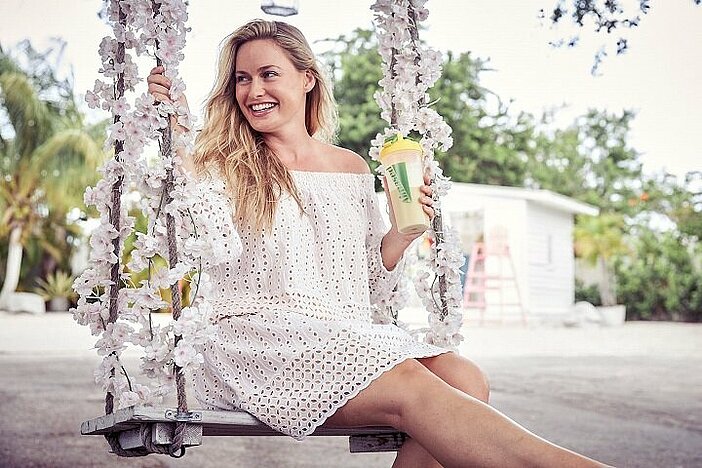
478, 280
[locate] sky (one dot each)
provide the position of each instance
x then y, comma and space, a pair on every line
659, 77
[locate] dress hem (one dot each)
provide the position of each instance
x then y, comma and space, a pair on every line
364, 384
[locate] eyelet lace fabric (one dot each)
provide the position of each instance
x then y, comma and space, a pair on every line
295, 338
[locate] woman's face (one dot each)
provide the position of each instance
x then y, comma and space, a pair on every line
270, 91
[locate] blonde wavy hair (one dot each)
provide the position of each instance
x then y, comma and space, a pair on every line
255, 177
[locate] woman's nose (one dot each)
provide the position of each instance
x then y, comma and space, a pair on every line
257, 89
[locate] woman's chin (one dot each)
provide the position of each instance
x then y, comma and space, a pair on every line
261, 126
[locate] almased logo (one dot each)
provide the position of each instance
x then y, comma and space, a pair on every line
398, 174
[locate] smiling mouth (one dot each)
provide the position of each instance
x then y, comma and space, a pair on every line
260, 109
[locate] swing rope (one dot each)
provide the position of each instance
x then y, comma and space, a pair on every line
176, 448
437, 222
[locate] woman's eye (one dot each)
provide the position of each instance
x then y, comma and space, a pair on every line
241, 79
269, 74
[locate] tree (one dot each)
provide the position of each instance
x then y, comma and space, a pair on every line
605, 16
488, 147
598, 241
47, 154
661, 279
590, 161
356, 67
679, 201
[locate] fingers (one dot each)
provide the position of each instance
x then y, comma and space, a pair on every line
159, 85
160, 94
426, 200
156, 76
426, 190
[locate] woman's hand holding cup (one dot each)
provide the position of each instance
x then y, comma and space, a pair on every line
425, 200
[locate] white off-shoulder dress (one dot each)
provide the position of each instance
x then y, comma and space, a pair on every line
295, 337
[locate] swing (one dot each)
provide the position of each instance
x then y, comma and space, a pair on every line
139, 430
154, 429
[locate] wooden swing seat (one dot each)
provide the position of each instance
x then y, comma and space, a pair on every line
127, 422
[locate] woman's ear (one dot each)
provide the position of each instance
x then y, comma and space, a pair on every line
310, 81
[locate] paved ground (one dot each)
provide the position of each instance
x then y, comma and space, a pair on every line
630, 396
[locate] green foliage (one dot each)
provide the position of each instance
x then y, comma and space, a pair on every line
662, 279
599, 237
556, 163
588, 293
48, 154
599, 240
57, 284
592, 162
47, 157
488, 147
680, 201
356, 67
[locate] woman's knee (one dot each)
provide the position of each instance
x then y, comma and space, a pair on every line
481, 380
461, 373
386, 399
405, 386
484, 383
415, 385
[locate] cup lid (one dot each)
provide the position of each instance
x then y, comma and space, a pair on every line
398, 143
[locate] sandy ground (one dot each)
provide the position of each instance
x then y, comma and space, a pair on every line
630, 396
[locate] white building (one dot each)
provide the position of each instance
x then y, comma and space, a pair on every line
537, 228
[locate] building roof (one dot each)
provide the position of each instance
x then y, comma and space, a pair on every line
556, 201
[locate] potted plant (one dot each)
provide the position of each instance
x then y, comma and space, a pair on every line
598, 240
57, 290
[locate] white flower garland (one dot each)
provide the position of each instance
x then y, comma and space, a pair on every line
142, 30
409, 70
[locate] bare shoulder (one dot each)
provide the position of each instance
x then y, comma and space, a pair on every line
347, 161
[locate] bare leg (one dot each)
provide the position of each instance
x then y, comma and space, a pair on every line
461, 374
413, 455
457, 429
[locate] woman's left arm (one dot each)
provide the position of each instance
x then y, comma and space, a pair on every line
394, 243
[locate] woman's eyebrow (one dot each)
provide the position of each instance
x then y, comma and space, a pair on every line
260, 69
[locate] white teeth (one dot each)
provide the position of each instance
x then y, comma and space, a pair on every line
260, 107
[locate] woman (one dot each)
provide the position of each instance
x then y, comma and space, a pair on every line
308, 256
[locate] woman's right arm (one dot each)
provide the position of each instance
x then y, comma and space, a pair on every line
159, 88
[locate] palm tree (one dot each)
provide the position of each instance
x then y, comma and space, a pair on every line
47, 154
598, 240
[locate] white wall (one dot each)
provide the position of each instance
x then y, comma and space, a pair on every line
550, 263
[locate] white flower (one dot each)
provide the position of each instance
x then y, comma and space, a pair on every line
128, 399
148, 297
108, 48
186, 356
120, 106
92, 99
104, 371
159, 352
